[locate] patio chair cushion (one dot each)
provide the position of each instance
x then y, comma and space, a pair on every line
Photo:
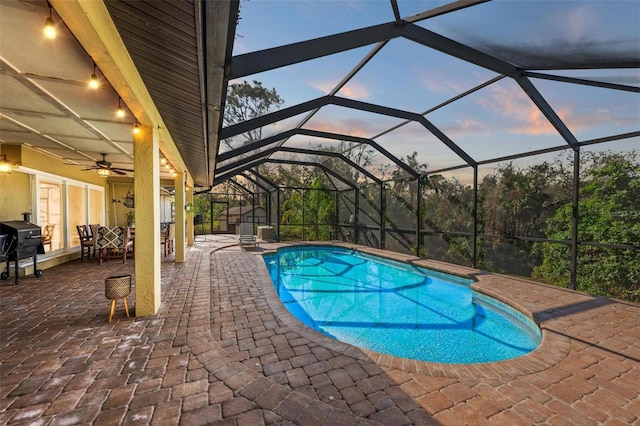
112, 239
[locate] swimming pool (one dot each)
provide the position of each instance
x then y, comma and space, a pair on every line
397, 309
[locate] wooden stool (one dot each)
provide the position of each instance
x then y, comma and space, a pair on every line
116, 288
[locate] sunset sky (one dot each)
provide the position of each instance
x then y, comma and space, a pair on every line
495, 121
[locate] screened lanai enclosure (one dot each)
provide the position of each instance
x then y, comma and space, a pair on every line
502, 135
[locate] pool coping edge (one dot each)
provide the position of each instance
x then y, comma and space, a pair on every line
553, 348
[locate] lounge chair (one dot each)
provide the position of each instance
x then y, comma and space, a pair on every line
247, 239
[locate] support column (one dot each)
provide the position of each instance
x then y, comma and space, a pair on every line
356, 217
190, 228
336, 212
146, 164
302, 192
278, 214
181, 215
383, 216
418, 216
575, 238
268, 202
253, 209
474, 237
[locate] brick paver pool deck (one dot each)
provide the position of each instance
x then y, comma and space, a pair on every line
223, 350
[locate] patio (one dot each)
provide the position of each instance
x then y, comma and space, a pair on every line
223, 350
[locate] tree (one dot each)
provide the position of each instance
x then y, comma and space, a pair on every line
403, 183
516, 203
319, 209
313, 208
400, 200
447, 207
246, 101
609, 212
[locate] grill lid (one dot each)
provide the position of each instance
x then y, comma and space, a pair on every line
20, 229
19, 225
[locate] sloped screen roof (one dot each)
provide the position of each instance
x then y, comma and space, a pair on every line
461, 84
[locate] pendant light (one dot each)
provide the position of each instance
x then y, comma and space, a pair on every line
119, 111
93, 82
5, 165
49, 25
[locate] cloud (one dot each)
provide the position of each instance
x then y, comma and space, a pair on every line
437, 82
325, 86
524, 117
351, 90
354, 91
353, 127
473, 127
511, 102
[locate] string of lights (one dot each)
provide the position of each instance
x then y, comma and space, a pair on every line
95, 81
50, 31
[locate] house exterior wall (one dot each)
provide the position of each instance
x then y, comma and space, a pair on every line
16, 187
15, 195
117, 192
260, 217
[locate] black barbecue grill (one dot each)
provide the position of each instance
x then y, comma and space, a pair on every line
21, 240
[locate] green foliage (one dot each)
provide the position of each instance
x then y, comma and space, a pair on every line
202, 206
533, 202
130, 216
447, 206
609, 212
314, 211
518, 202
319, 209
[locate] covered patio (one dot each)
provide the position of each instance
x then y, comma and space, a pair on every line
223, 350
420, 106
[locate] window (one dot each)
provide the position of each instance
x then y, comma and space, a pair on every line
51, 214
64, 204
77, 212
96, 206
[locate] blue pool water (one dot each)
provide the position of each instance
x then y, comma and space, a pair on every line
397, 309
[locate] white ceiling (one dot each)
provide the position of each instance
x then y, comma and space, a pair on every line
45, 101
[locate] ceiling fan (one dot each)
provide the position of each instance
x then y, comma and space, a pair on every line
104, 167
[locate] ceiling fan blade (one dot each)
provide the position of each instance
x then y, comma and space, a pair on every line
122, 170
117, 171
